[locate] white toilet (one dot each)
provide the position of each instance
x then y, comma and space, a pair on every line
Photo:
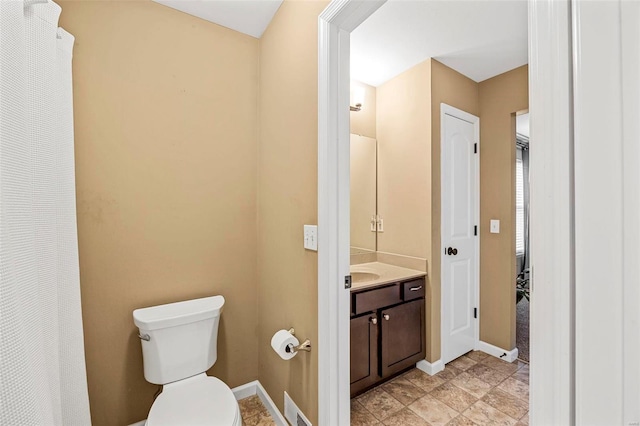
179, 344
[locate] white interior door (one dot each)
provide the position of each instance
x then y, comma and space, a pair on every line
460, 273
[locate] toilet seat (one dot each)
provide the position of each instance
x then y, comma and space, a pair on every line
197, 401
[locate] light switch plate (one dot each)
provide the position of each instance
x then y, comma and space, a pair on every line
495, 226
311, 237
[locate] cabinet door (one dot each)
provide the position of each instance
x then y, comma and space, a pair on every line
364, 352
403, 336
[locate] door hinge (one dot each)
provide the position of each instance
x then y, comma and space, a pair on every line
475, 148
475, 230
475, 312
347, 281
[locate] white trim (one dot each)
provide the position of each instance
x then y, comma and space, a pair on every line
462, 115
140, 423
630, 34
246, 390
271, 406
256, 388
334, 26
430, 368
552, 221
458, 113
497, 352
606, 44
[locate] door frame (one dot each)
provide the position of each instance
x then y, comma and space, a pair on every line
552, 252
606, 154
465, 116
335, 24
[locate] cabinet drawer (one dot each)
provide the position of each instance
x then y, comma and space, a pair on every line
413, 289
375, 299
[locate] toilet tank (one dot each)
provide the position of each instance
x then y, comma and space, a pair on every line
182, 338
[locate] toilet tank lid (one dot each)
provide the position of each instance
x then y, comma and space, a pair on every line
178, 313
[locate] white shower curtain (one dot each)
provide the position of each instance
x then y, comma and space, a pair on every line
42, 366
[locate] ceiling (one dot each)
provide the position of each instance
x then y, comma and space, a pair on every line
480, 39
246, 16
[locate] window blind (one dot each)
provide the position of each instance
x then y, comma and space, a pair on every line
519, 206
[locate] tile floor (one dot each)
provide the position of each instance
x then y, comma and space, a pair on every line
254, 413
475, 389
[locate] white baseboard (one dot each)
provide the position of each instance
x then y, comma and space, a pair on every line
497, 352
430, 368
255, 388
140, 423
246, 390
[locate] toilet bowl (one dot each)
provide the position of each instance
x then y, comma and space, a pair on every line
199, 400
179, 344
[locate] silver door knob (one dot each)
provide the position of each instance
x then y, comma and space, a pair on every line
386, 317
373, 320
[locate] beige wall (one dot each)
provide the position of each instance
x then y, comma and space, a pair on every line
403, 123
452, 88
500, 98
405, 199
408, 131
495, 101
363, 122
166, 153
174, 190
287, 199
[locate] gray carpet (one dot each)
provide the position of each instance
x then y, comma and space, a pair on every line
522, 329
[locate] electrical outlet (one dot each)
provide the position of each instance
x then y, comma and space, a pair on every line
495, 226
311, 237
293, 414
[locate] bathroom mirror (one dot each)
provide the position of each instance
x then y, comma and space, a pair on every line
363, 194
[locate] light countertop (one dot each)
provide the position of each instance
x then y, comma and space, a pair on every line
378, 273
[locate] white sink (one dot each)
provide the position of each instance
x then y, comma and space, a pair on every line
375, 273
361, 277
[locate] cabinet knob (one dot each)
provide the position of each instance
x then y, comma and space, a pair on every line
373, 320
386, 317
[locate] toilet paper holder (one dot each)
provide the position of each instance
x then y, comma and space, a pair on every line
304, 346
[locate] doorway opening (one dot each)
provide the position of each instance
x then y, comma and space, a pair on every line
523, 252
548, 24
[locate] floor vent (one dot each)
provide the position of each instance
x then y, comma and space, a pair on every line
301, 421
293, 414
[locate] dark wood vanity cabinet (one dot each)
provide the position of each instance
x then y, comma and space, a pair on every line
364, 351
387, 331
403, 335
